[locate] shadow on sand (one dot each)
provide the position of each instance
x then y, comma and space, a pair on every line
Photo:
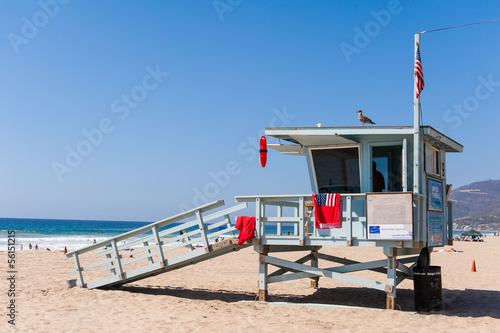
461, 303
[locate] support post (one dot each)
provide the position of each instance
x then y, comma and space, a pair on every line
114, 247
314, 263
391, 280
78, 269
450, 222
404, 165
203, 232
263, 268
159, 249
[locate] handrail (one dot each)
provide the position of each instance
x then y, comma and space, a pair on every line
147, 228
154, 256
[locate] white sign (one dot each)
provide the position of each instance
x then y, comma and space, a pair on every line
390, 231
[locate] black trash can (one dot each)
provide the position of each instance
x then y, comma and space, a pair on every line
427, 288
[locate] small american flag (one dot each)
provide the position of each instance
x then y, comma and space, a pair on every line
419, 73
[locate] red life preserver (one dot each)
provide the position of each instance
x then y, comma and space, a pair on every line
263, 151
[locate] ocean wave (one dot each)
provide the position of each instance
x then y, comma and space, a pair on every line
58, 243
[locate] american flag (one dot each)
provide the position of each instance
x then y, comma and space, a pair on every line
327, 210
325, 199
419, 73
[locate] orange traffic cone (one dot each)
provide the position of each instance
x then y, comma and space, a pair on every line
473, 269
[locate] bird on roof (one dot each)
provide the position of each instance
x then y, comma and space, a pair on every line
364, 119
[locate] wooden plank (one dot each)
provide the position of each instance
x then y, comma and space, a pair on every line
96, 264
272, 219
325, 273
226, 211
282, 271
403, 268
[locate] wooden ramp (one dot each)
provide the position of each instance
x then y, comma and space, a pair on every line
181, 240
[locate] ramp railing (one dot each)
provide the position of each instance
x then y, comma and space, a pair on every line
160, 246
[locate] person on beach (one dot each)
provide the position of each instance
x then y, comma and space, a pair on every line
21, 247
36, 247
30, 247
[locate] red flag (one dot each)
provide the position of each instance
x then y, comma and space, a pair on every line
419, 72
327, 210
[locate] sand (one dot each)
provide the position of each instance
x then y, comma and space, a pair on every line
219, 295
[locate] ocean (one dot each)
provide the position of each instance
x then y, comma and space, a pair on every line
74, 234
57, 234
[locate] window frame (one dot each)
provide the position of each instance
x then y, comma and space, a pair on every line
313, 167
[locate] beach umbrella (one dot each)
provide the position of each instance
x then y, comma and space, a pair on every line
472, 233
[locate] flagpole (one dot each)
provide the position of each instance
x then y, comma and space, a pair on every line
416, 125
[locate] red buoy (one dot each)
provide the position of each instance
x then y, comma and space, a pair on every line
263, 151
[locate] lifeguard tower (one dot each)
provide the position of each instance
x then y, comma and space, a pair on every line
405, 213
394, 193
408, 212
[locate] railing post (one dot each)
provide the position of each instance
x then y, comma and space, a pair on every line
78, 269
348, 219
450, 222
302, 217
203, 232
258, 218
295, 226
159, 249
279, 213
117, 258
229, 225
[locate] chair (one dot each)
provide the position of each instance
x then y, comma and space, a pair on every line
309, 213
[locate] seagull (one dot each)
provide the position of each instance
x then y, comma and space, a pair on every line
364, 119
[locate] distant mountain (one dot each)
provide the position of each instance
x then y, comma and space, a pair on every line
477, 204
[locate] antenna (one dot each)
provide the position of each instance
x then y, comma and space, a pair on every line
459, 26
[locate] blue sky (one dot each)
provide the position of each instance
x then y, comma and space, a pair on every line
164, 100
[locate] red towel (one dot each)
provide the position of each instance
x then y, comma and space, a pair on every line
246, 226
327, 210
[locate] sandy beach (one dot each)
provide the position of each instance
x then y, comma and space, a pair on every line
219, 295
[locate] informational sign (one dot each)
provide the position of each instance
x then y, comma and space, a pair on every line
435, 194
389, 216
436, 230
435, 213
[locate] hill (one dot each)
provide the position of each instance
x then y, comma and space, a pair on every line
477, 205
